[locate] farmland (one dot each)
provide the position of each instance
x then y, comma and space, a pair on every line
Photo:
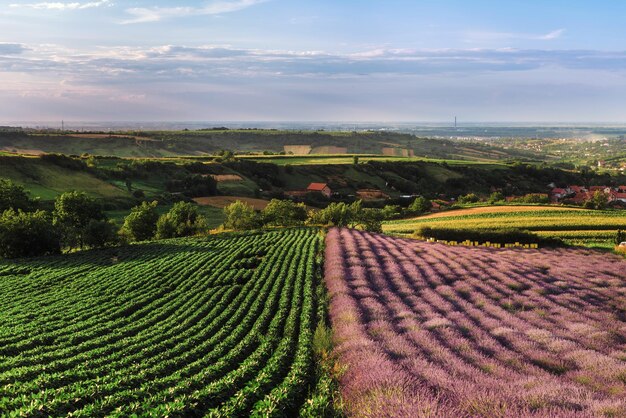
220, 325
575, 226
430, 330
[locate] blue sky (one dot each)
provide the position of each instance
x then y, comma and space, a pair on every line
391, 60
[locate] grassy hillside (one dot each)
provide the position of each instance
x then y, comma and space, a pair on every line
220, 326
45, 179
575, 226
206, 142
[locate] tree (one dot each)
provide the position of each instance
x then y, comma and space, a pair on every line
620, 237
420, 205
182, 220
13, 196
100, 233
141, 223
240, 216
284, 213
27, 234
355, 160
353, 215
72, 213
391, 211
600, 199
336, 214
370, 219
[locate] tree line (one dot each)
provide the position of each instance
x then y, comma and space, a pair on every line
78, 221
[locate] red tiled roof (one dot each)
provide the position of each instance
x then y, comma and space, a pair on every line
558, 191
317, 186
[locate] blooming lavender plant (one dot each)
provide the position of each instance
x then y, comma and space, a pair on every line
424, 329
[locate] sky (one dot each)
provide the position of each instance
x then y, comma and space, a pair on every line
315, 60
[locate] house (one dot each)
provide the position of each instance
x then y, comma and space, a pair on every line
320, 188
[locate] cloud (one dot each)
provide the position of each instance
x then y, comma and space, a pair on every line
12, 49
474, 37
61, 5
177, 63
155, 14
552, 35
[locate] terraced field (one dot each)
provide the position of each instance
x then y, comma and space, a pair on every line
428, 330
220, 326
575, 226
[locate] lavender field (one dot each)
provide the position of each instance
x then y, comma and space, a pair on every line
423, 329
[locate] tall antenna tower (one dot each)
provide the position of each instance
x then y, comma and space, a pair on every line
455, 122
63, 125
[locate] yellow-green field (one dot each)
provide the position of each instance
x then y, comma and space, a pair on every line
574, 226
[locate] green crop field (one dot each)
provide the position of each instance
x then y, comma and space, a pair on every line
218, 326
574, 226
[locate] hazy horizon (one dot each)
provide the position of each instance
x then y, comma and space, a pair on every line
393, 61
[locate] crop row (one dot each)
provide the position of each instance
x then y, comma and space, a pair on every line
424, 329
189, 327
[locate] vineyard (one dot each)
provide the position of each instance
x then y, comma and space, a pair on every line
574, 226
219, 326
428, 330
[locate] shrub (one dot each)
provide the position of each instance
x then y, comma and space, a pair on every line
620, 237
469, 198
499, 236
420, 205
496, 197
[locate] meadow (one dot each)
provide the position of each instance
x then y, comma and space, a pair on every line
220, 326
427, 330
574, 225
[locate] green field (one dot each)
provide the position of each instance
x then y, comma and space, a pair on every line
46, 180
574, 226
218, 326
349, 159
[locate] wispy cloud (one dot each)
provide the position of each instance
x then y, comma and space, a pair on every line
155, 14
482, 36
61, 5
11, 49
551, 35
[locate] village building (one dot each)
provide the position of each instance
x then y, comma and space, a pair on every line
319, 188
